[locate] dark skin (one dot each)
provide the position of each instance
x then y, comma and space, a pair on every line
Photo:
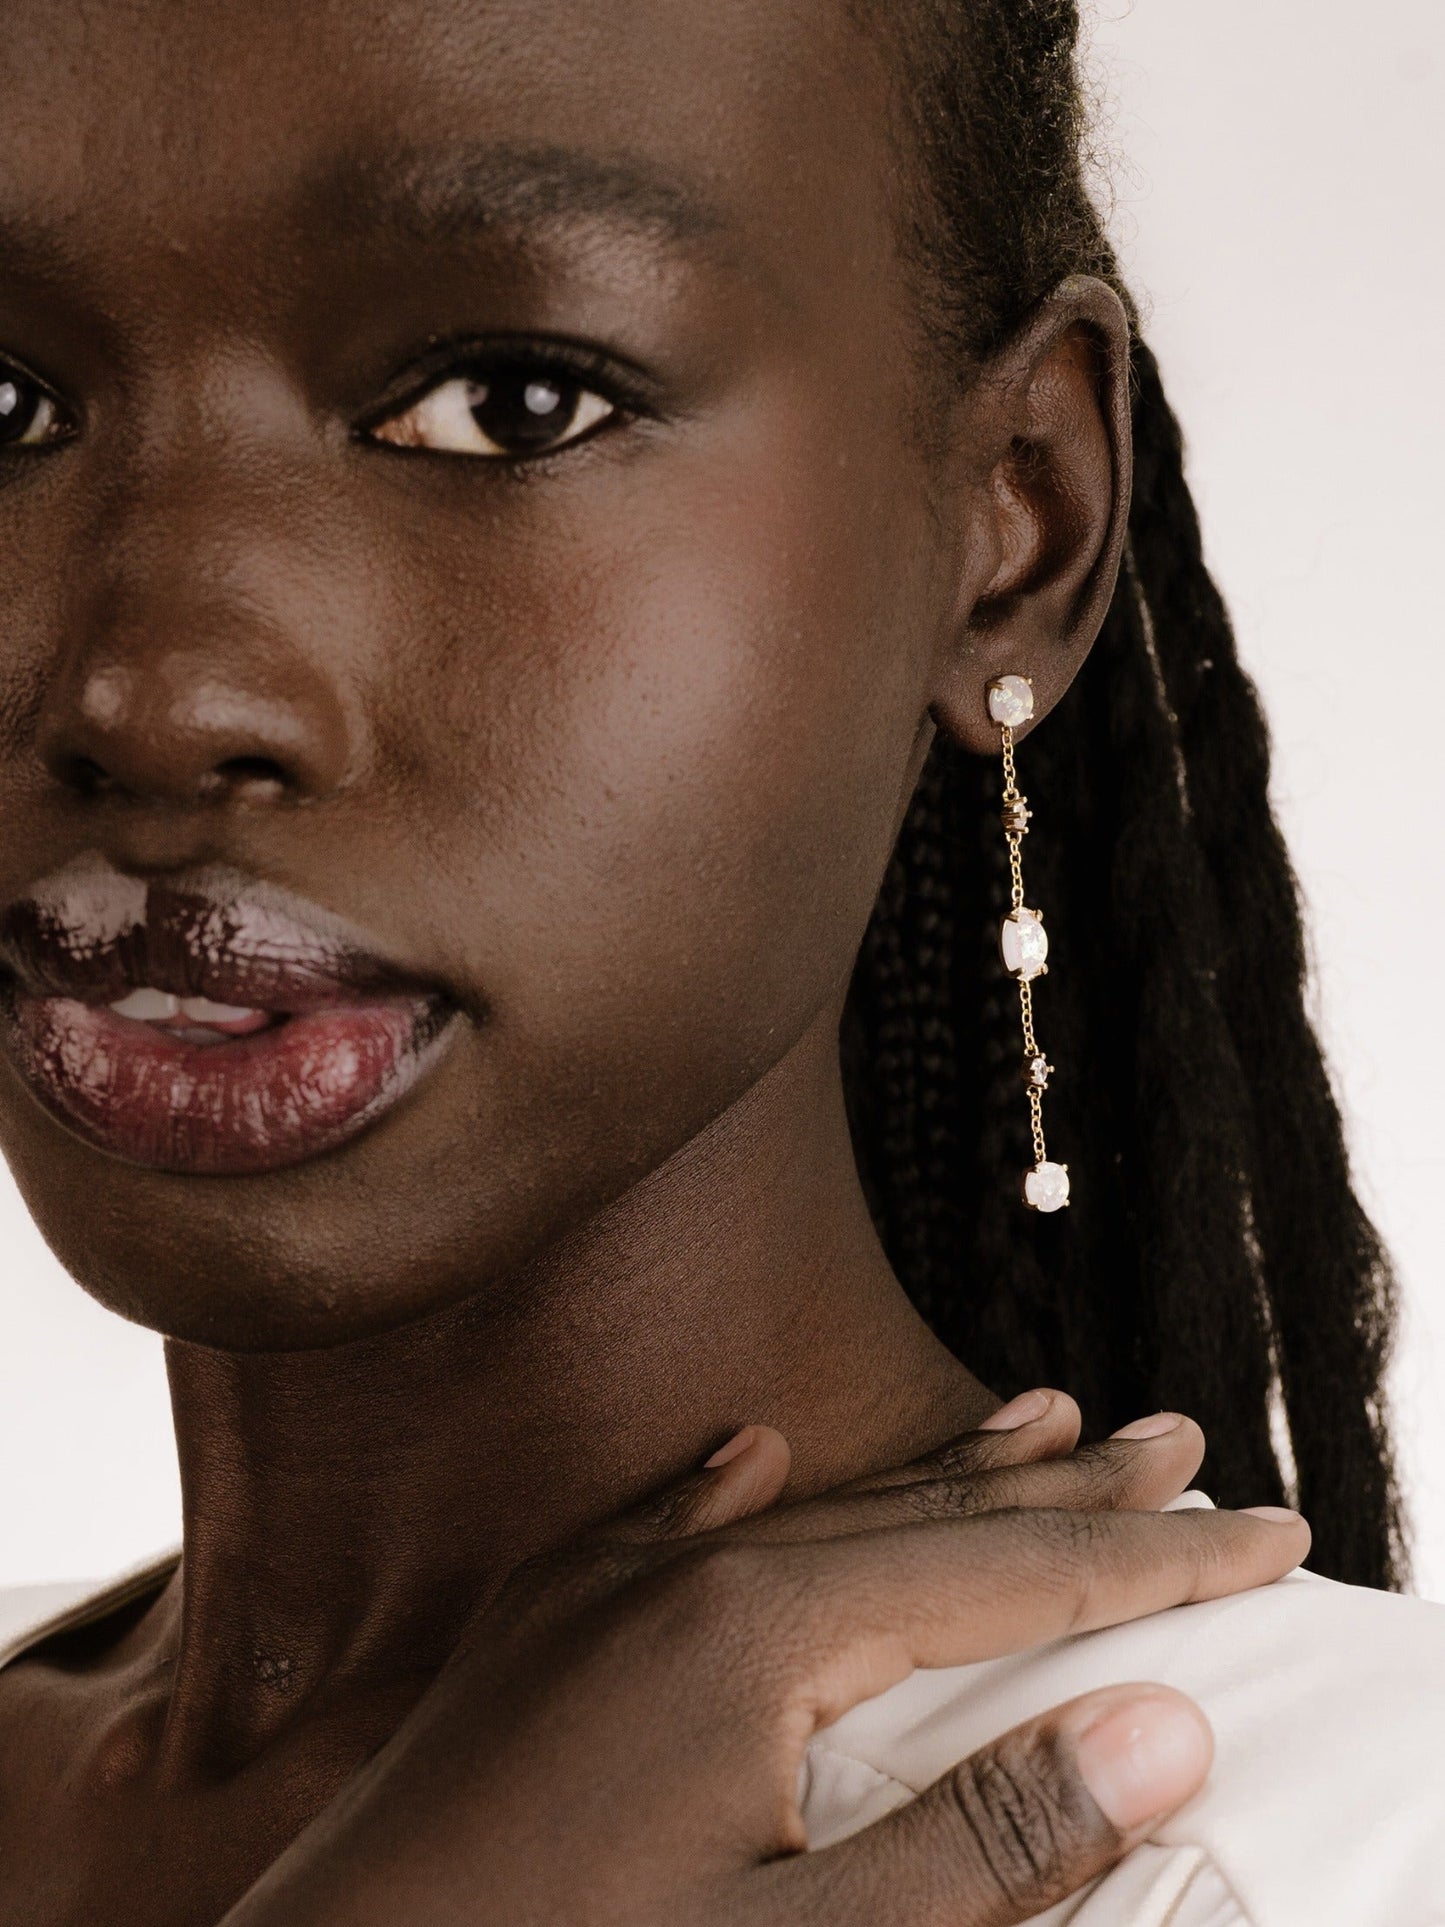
614, 743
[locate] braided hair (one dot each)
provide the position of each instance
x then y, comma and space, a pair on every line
1216, 1259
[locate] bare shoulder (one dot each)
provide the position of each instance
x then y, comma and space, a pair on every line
1326, 1802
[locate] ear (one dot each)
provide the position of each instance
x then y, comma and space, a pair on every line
1044, 509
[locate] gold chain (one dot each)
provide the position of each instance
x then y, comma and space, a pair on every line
1036, 1070
1016, 840
1031, 1052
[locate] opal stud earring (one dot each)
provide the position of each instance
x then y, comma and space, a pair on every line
1025, 943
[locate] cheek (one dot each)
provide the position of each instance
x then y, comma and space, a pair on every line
677, 720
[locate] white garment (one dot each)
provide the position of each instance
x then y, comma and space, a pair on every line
1326, 1806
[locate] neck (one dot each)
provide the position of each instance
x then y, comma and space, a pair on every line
347, 1509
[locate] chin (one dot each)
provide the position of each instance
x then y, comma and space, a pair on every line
346, 1247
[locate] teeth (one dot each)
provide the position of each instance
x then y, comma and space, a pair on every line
161, 1006
201, 1010
147, 1005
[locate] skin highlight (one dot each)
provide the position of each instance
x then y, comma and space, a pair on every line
614, 744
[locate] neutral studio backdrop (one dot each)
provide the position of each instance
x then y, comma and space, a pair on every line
1277, 180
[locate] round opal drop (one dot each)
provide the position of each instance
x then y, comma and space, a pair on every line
1047, 1187
1010, 701
1025, 944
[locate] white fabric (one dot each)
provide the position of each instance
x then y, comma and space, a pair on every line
1326, 1807
29, 1614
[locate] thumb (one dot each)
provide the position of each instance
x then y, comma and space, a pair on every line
1020, 1826
743, 1477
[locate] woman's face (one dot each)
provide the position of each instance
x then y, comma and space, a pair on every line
462, 491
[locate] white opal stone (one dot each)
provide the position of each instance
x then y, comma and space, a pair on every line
1025, 944
1010, 701
1047, 1187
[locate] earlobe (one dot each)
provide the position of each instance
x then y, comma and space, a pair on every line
1047, 513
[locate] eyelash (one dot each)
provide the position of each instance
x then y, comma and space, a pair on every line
61, 426
564, 365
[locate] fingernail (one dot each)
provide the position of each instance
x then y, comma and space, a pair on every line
734, 1449
1278, 1515
1143, 1759
1153, 1427
1019, 1411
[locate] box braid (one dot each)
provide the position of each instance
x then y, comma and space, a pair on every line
1215, 1259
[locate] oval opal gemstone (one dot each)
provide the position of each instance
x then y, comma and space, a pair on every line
1047, 1187
1025, 944
1010, 701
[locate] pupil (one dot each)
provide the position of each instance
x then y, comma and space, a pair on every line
521, 415
17, 410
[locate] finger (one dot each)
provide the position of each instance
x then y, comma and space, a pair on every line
741, 1478
1139, 1474
1017, 1828
864, 1611
1041, 1424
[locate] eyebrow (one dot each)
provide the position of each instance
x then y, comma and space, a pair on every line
448, 195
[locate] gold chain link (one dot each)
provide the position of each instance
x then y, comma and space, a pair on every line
1015, 843
1015, 838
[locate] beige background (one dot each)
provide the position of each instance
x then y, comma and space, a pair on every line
1277, 168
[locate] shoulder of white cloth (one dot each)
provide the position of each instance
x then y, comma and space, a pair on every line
29, 1614
1326, 1802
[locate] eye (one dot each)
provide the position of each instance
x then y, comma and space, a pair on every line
507, 412
29, 414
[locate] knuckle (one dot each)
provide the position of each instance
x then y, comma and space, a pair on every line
936, 1499
670, 1515
719, 1580
562, 1584
965, 1458
1104, 1476
1209, 1556
1010, 1489
1063, 1552
1069, 1541
738, 1609
1089, 1549
1026, 1818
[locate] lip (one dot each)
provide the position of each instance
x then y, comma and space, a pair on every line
354, 1030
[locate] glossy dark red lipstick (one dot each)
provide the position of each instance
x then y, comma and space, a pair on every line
255, 1030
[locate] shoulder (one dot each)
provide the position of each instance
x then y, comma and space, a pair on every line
1326, 1803
29, 1614
28, 1611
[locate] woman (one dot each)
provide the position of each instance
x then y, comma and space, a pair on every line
515, 516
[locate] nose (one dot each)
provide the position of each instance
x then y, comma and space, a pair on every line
202, 658
160, 718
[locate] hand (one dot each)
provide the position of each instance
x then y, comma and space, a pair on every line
620, 1738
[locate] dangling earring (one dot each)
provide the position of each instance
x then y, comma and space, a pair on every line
1025, 942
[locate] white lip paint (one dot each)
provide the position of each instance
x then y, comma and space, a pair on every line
90, 907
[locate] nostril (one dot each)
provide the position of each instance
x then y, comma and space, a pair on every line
245, 774
83, 773
251, 769
186, 733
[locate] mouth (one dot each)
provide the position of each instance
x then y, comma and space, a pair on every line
205, 1023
